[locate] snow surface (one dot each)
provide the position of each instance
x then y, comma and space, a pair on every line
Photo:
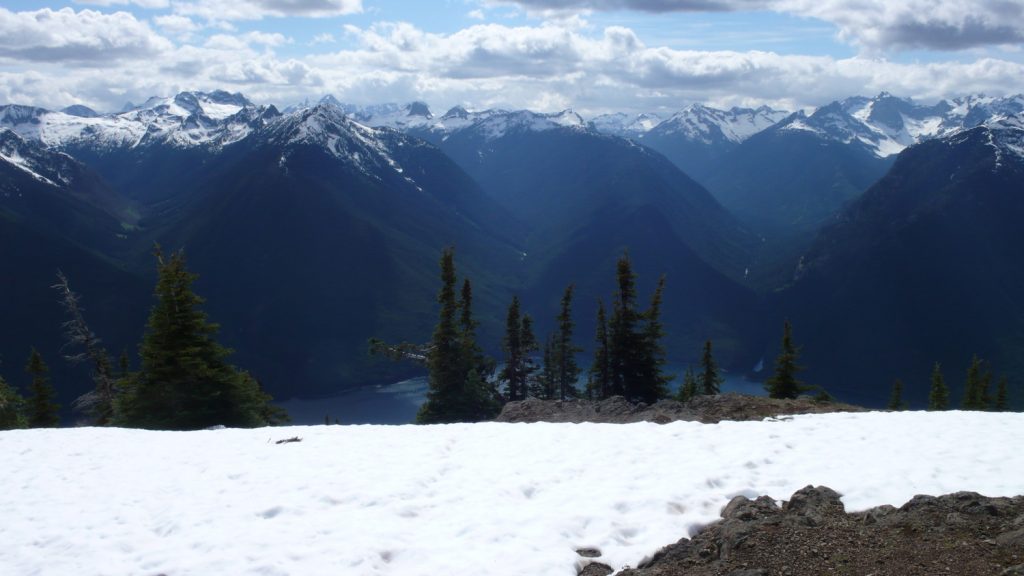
483, 499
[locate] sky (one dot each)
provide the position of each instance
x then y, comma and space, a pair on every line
593, 56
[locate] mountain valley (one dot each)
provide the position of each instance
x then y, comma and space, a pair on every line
317, 227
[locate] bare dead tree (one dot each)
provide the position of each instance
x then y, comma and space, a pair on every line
84, 346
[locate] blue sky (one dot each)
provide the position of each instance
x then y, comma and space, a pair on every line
591, 55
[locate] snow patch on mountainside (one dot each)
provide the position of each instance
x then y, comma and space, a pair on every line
30, 158
14, 158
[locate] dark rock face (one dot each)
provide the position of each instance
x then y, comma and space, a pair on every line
706, 409
811, 534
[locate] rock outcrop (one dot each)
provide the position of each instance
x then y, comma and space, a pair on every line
811, 534
706, 409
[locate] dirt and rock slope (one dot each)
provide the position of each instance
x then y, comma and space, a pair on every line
962, 534
706, 409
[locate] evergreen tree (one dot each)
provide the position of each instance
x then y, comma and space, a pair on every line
42, 411
896, 402
784, 383
515, 386
123, 364
710, 380
11, 407
459, 371
651, 382
98, 403
976, 395
544, 385
599, 382
445, 353
938, 396
624, 346
518, 343
480, 399
184, 381
689, 387
563, 351
1002, 403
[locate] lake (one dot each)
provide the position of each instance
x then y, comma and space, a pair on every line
397, 403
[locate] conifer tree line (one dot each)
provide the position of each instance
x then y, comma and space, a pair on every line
184, 381
977, 389
629, 358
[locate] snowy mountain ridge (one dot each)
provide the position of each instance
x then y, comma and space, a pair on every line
708, 125
329, 127
626, 125
188, 119
31, 158
886, 125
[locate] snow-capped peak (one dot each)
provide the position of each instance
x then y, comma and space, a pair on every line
701, 123
327, 127
184, 120
626, 125
497, 124
400, 117
887, 124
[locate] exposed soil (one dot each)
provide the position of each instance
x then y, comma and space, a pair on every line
706, 409
962, 534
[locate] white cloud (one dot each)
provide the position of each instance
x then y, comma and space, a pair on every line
935, 24
548, 67
180, 26
476, 14
152, 4
87, 37
325, 38
217, 10
876, 25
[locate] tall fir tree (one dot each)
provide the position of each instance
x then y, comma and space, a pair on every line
459, 372
651, 381
518, 343
976, 394
543, 386
710, 380
11, 407
896, 402
42, 411
689, 388
444, 360
599, 381
563, 351
784, 383
624, 345
480, 399
184, 381
1002, 401
938, 395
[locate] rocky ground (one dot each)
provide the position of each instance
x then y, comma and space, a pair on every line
962, 534
707, 409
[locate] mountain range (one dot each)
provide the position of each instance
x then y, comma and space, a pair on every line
317, 227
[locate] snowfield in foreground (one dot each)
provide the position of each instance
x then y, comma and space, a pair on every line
483, 499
